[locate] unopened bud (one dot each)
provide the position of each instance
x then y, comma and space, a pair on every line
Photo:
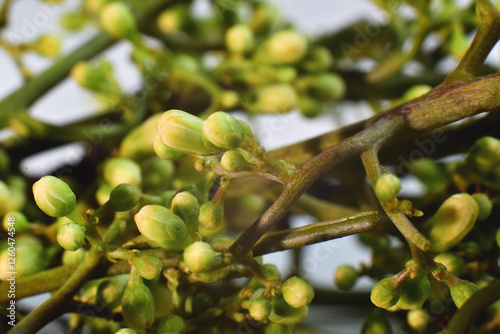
138, 304
125, 331
165, 152
283, 47
118, 21
71, 236
199, 257
272, 99
260, 309
122, 170
317, 59
452, 222
110, 291
54, 197
72, 257
124, 197
322, 86
376, 323
211, 215
483, 155
345, 277
73, 21
309, 107
417, 319
385, 293
387, 186
47, 46
173, 19
148, 266
461, 290
138, 143
414, 293
484, 204
225, 131
237, 160
264, 16
186, 206
454, 263
284, 314
158, 175
239, 39
297, 292
171, 324
183, 132
17, 220
161, 227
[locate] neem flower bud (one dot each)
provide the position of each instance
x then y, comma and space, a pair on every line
118, 21
47, 46
122, 170
158, 175
461, 290
264, 16
199, 256
16, 220
309, 107
71, 236
376, 322
173, 19
345, 277
54, 196
483, 155
138, 143
125, 331
72, 257
414, 293
183, 132
110, 290
186, 206
260, 309
237, 160
385, 293
138, 304
171, 323
322, 86
317, 59
239, 39
165, 152
161, 227
148, 266
484, 204
73, 21
297, 292
388, 186
284, 314
283, 47
272, 99
452, 222
454, 263
124, 197
211, 215
30, 256
417, 319
225, 131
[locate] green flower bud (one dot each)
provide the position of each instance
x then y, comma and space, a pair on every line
388, 186
173, 19
199, 257
125, 331
322, 86
124, 197
483, 155
432, 175
283, 47
345, 277
414, 292
284, 314
211, 215
452, 222
158, 175
138, 305
272, 328
225, 131
376, 323
237, 160
171, 324
103, 193
47, 46
471, 249
297, 292
30, 256
212, 276
122, 170
309, 107
183, 132
54, 197
186, 206
138, 143
461, 290
148, 266
417, 319
118, 21
385, 294
272, 99
95, 78
484, 204
73, 21
110, 291
161, 227
164, 298
72, 257
454, 263
71, 236
239, 39
16, 220
260, 309
102, 326
264, 16
165, 152
317, 59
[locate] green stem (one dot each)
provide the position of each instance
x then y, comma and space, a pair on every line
56, 305
309, 173
315, 233
485, 39
410, 232
461, 322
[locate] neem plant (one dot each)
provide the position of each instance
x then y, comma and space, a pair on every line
175, 198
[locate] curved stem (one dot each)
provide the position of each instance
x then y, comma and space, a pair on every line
56, 305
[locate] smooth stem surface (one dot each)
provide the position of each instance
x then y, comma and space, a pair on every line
56, 305
410, 232
309, 173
